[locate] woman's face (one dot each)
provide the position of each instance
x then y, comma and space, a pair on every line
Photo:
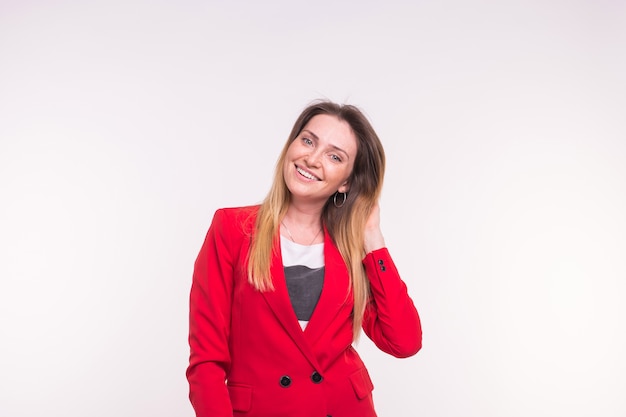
320, 159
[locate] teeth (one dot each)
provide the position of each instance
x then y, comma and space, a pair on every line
306, 174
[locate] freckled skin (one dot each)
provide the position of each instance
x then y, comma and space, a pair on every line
326, 148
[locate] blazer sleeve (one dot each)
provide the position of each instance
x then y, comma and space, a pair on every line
209, 323
391, 320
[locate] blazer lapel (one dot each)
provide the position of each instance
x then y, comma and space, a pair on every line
335, 294
279, 302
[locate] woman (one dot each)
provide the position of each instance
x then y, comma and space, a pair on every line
280, 291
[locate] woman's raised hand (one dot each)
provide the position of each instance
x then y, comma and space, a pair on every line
373, 237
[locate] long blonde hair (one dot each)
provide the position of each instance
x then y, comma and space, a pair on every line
345, 224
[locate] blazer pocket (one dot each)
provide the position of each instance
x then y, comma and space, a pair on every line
240, 397
362, 383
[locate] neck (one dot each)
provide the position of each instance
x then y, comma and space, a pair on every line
302, 226
304, 216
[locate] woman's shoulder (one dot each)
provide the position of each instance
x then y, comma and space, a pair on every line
244, 216
239, 212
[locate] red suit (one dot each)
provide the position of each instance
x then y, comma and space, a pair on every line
249, 355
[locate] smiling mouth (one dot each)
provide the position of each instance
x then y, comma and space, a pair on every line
306, 174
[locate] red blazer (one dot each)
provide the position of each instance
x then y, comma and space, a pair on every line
249, 355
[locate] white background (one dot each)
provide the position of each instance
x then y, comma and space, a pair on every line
125, 124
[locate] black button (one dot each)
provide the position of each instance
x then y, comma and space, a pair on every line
316, 377
382, 268
285, 381
380, 262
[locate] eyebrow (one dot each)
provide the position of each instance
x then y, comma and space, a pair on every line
337, 148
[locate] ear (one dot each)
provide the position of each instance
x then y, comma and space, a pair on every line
344, 188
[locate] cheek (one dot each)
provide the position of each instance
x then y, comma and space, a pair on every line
293, 152
286, 166
342, 174
349, 170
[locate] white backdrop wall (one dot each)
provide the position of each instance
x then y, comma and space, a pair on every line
125, 124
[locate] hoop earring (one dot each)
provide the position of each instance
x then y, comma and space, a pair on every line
345, 196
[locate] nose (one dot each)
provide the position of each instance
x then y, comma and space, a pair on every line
313, 158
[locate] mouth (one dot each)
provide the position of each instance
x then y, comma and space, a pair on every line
306, 174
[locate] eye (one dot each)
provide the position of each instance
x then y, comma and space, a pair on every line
335, 158
307, 141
